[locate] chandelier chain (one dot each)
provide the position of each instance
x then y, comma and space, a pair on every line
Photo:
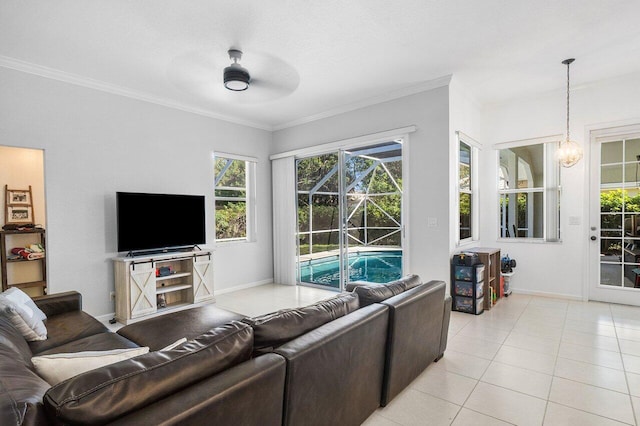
568, 137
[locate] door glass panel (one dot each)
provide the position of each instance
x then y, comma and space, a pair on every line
349, 216
610, 273
318, 220
373, 248
631, 149
611, 152
631, 173
611, 173
620, 214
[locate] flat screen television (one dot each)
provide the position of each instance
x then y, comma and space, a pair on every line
150, 222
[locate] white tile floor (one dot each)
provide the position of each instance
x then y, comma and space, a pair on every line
530, 360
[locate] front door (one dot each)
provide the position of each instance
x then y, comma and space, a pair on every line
615, 216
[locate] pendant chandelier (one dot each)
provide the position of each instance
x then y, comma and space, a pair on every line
569, 152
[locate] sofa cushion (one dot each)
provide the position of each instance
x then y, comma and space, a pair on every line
96, 342
90, 397
67, 327
55, 368
377, 293
274, 329
161, 331
23, 319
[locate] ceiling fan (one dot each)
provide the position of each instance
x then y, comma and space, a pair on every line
236, 77
206, 76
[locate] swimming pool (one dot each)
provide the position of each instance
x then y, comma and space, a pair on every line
373, 266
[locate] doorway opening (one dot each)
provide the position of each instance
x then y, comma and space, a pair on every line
22, 169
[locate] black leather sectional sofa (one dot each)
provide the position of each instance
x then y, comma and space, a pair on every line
333, 362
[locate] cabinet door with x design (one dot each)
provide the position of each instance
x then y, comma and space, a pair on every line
202, 278
142, 289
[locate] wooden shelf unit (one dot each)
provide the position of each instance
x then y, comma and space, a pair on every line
490, 257
138, 287
5, 262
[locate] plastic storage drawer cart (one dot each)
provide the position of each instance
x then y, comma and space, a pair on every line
467, 285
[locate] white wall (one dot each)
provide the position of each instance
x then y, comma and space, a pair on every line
428, 162
96, 144
554, 268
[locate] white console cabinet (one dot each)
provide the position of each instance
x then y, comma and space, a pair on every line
153, 285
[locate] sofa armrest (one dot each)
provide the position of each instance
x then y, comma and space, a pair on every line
59, 303
415, 333
249, 394
445, 326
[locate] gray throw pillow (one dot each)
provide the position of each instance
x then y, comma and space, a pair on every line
28, 324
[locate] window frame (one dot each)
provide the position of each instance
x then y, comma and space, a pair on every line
474, 216
551, 189
249, 198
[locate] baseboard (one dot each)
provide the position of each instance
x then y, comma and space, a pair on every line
242, 286
105, 317
545, 294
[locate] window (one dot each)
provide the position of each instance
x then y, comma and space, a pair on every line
529, 192
464, 191
233, 198
467, 190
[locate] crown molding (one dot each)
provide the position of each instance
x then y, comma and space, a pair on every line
78, 80
396, 94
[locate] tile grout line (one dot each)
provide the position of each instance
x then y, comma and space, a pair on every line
555, 365
624, 369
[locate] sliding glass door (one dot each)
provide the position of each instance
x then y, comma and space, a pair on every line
350, 216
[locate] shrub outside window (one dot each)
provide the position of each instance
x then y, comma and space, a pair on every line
232, 198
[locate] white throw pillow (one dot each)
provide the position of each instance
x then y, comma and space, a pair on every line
21, 298
174, 344
58, 367
30, 326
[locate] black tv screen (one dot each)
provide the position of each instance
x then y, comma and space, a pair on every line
159, 221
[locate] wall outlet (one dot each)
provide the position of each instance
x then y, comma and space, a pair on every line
112, 295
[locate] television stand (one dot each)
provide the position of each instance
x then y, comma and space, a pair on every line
155, 284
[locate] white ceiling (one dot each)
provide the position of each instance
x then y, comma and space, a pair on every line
323, 55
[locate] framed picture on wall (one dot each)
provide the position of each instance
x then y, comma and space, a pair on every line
18, 206
17, 196
19, 214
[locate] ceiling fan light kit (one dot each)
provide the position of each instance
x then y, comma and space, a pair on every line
236, 77
569, 152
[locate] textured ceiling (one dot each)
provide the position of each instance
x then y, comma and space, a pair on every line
308, 58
